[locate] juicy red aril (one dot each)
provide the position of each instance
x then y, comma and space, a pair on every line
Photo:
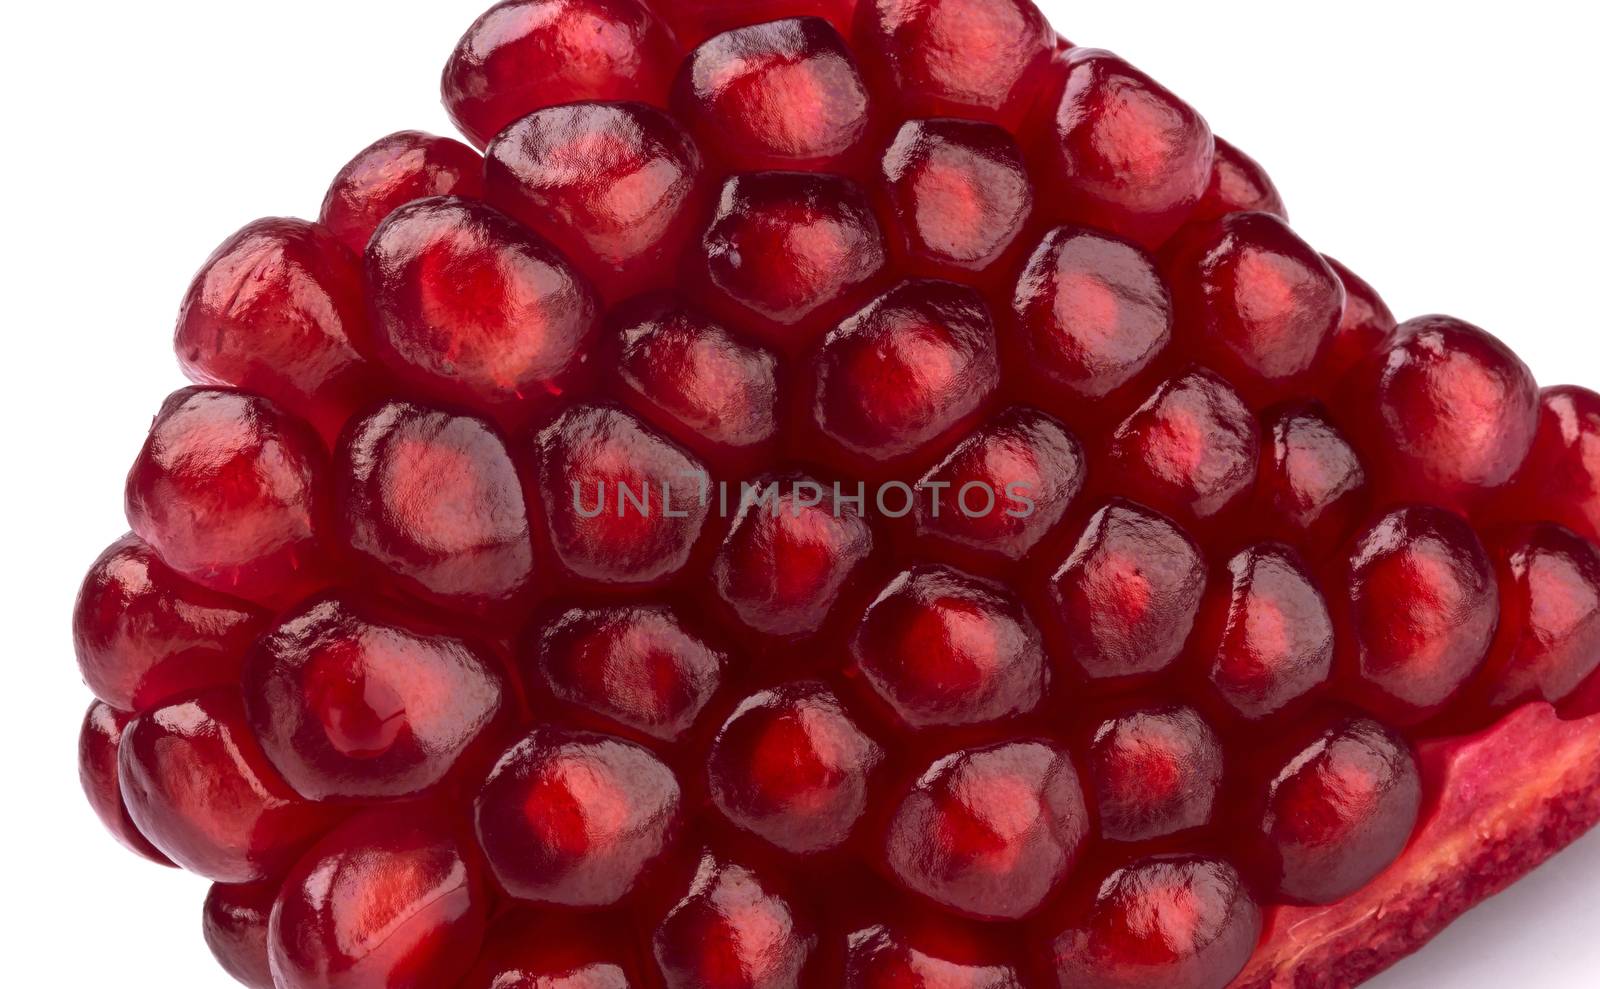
1420, 609
1126, 598
1092, 312
617, 187
1264, 635
232, 493
1003, 489
278, 310
942, 649
524, 55
576, 819
911, 367
1191, 449
1172, 922
145, 635
734, 928
472, 308
959, 58
622, 505
1561, 479
956, 195
1447, 411
530, 950
785, 94
791, 767
1259, 304
926, 951
1311, 485
1155, 772
786, 251
992, 832
638, 667
1238, 185
1363, 328
387, 899
198, 785
1137, 158
393, 171
1336, 813
235, 923
98, 772
433, 503
351, 708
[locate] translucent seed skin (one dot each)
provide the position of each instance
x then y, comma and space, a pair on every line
392, 171
236, 920
100, 776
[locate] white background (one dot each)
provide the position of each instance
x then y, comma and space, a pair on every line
1448, 158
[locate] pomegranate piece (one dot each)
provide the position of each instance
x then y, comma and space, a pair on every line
232, 493
622, 505
1446, 411
391, 172
617, 187
914, 366
388, 899
792, 552
959, 58
98, 772
198, 785
1238, 185
1363, 328
576, 819
696, 20
787, 252
1255, 301
525, 55
1156, 772
1561, 479
1191, 449
694, 379
926, 951
1126, 598
1548, 642
990, 833
1336, 813
473, 309
235, 923
791, 767
529, 950
1137, 158
1003, 489
348, 708
1419, 612
957, 196
784, 94
941, 649
1092, 313
1170, 922
278, 310
432, 503
734, 928
1311, 487
638, 667
145, 635
1265, 636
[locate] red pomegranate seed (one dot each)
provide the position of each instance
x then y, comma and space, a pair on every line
1311, 487
1336, 812
388, 899
734, 928
145, 636
1156, 772
576, 819
990, 833
392, 172
1363, 328
198, 785
98, 772
232, 493
696, 20
530, 950
941, 649
785, 94
524, 55
1238, 185
926, 951
1561, 479
617, 187
236, 920
791, 767
1171, 922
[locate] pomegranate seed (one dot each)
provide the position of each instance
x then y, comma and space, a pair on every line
1311, 486
1363, 328
1156, 772
98, 743
392, 172
734, 928
1238, 185
926, 951
1561, 480
236, 920
696, 20
528, 950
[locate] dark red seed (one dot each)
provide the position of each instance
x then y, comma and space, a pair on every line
696, 20
236, 919
1311, 486
734, 928
1561, 479
927, 951
533, 950
1363, 328
98, 772
1156, 772
1238, 185
391, 172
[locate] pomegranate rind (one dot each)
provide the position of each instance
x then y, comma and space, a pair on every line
1500, 804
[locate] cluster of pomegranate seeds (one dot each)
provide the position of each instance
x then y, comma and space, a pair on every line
839, 493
